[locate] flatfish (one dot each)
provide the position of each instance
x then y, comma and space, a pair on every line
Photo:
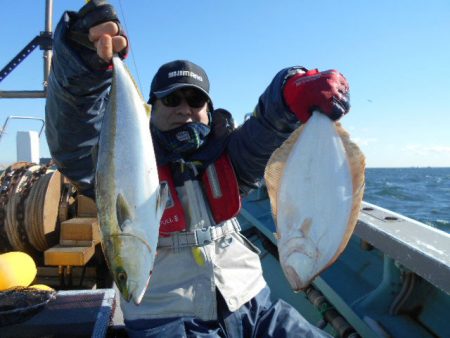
315, 182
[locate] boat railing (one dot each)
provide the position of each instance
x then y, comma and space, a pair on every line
419, 247
14, 117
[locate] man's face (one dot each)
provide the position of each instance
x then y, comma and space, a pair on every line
180, 107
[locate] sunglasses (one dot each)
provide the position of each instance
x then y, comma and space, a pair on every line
194, 98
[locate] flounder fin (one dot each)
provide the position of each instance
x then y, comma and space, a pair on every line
162, 199
123, 212
275, 168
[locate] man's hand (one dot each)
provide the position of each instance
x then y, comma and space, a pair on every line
97, 34
326, 91
107, 40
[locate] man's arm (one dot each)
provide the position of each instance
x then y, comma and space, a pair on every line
287, 102
78, 91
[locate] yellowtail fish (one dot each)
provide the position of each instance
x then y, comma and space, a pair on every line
129, 199
315, 182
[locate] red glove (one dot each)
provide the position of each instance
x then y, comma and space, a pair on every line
326, 91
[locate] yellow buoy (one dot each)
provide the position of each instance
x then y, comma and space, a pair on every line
16, 269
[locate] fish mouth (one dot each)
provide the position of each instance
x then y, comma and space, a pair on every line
131, 284
294, 256
134, 292
294, 279
137, 296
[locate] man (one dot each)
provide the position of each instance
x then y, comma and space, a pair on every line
207, 279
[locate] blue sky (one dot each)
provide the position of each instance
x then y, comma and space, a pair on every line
395, 54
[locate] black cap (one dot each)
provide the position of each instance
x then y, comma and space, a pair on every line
175, 75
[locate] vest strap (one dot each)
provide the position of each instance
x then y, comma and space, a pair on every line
198, 237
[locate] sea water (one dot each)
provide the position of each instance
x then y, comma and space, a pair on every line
419, 193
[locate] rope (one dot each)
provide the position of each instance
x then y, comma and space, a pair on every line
131, 51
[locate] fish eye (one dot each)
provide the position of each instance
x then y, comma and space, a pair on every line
122, 276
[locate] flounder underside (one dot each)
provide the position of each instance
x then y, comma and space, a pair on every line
315, 182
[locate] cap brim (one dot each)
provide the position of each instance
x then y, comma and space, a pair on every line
162, 93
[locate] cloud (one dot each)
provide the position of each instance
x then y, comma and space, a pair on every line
354, 129
426, 150
440, 149
364, 141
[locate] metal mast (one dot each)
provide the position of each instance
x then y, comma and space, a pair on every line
44, 41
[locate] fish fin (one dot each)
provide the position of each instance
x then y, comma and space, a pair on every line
162, 199
274, 170
148, 109
123, 212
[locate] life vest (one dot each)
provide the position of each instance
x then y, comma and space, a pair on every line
220, 187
